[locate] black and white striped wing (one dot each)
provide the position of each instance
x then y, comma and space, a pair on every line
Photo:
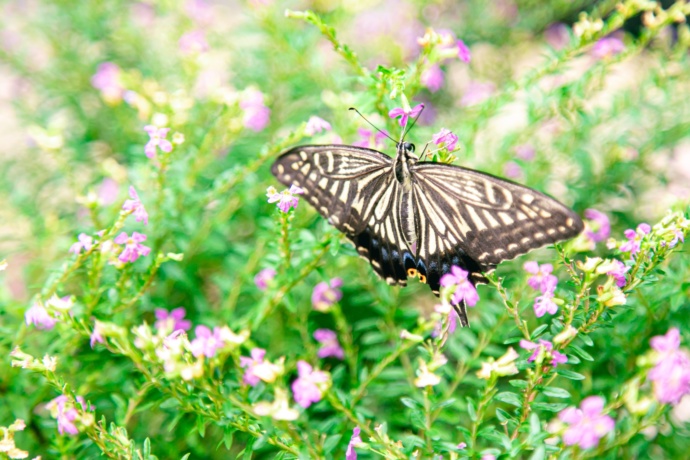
476, 220
354, 189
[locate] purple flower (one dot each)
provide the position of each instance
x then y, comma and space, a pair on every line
133, 247
84, 242
173, 320
369, 139
316, 125
618, 272
350, 453
97, 334
66, 413
544, 303
464, 289
107, 192
525, 152
308, 388
634, 239
446, 139
405, 114
607, 47
546, 347
39, 317
206, 342
329, 344
599, 227
476, 92
156, 139
264, 277
193, 42
286, 199
107, 81
677, 236
541, 279
136, 207
257, 358
512, 170
463, 51
256, 114
671, 374
587, 425
432, 78
326, 294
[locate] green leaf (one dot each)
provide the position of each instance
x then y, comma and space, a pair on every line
556, 392
331, 442
503, 416
586, 340
509, 398
411, 403
517, 383
539, 453
581, 353
471, 411
539, 331
570, 374
534, 425
550, 407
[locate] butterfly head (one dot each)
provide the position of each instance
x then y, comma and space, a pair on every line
406, 151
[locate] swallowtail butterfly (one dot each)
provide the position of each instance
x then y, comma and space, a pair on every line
413, 218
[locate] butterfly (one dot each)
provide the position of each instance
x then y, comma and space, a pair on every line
412, 218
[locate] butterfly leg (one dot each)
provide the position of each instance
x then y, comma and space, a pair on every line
461, 309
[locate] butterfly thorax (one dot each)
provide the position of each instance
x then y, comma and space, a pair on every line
409, 221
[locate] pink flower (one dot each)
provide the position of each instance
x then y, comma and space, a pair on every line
545, 347
634, 239
66, 413
432, 78
97, 335
206, 342
477, 92
405, 114
599, 227
463, 51
107, 80
84, 242
257, 358
39, 317
193, 42
369, 139
173, 320
607, 47
446, 139
677, 236
350, 453
308, 388
618, 272
326, 294
156, 139
329, 344
671, 374
133, 247
464, 289
544, 303
264, 277
541, 278
316, 125
107, 192
512, 170
525, 152
587, 425
136, 207
557, 35
286, 199
256, 114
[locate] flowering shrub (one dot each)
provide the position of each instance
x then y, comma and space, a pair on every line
161, 298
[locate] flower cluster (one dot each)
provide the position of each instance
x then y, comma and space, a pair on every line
157, 140
316, 125
7, 445
46, 315
445, 139
257, 369
68, 416
501, 367
136, 207
330, 346
425, 372
405, 113
310, 384
286, 199
543, 351
325, 295
671, 373
458, 284
586, 425
543, 281
440, 46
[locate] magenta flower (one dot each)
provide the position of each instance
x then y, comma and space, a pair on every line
464, 289
599, 227
84, 242
512, 170
256, 114
671, 374
207, 343
607, 47
544, 303
316, 125
587, 425
446, 139
525, 152
286, 199
463, 51
133, 247
96, 335
308, 388
329, 344
136, 207
264, 277
618, 272
156, 140
107, 191
326, 294
405, 114
432, 78
477, 92
193, 42
369, 139
173, 320
66, 413
545, 347
541, 279
39, 317
107, 80
677, 236
634, 239
350, 453
257, 358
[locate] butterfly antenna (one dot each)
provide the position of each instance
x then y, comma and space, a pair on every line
372, 125
413, 122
